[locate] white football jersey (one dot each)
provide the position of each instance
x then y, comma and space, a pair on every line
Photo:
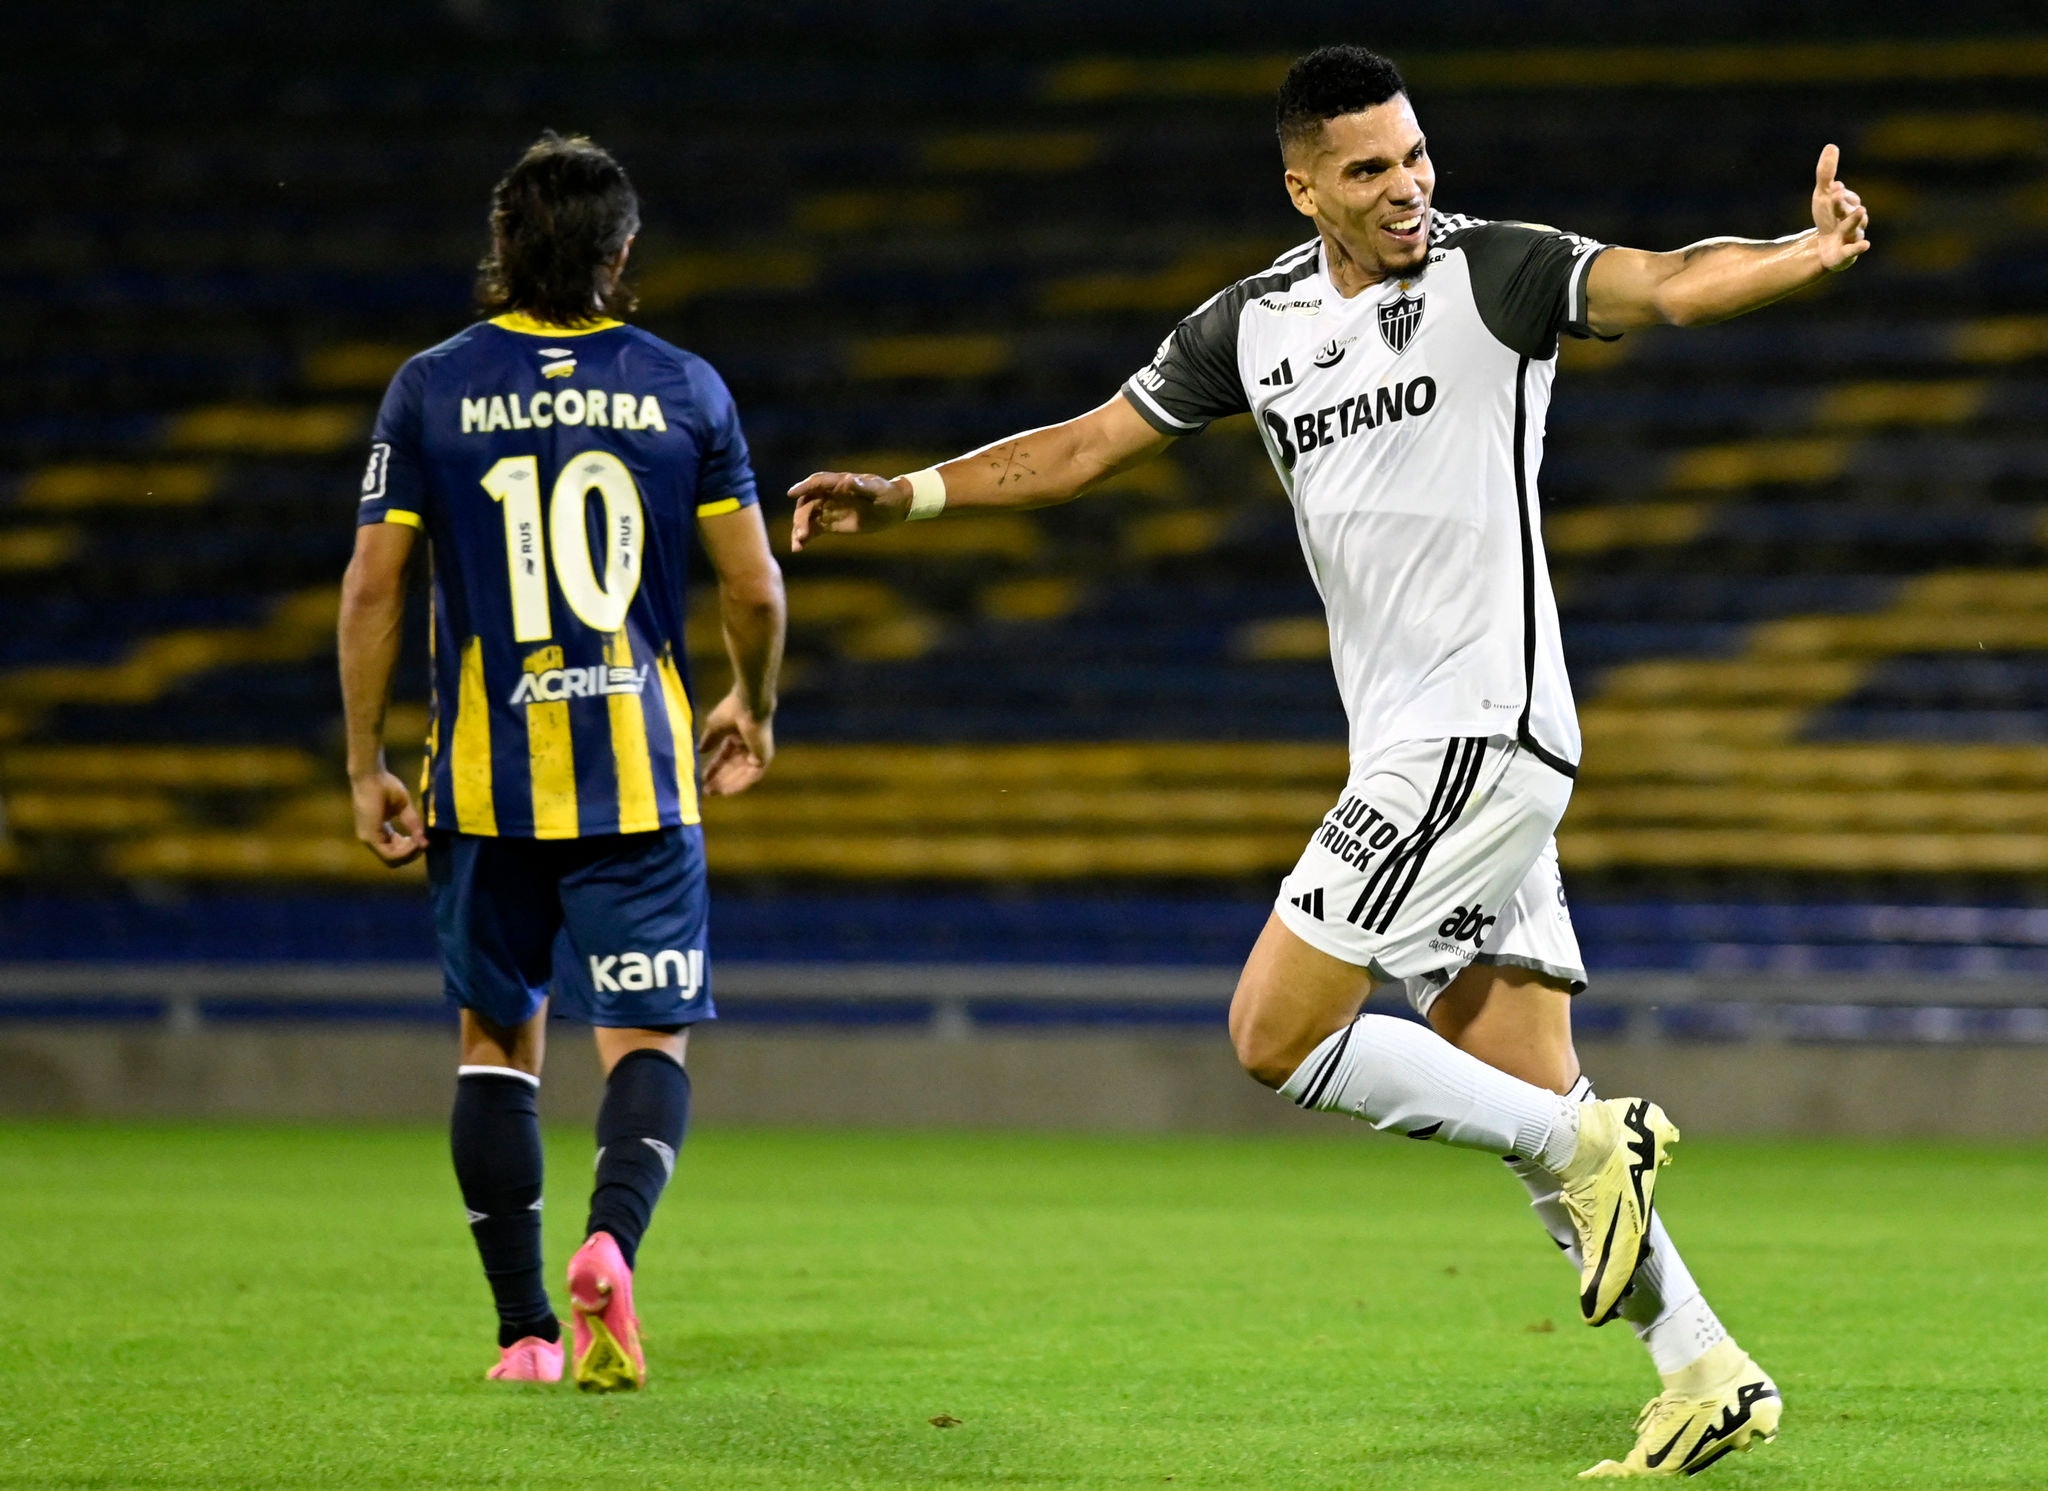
1407, 427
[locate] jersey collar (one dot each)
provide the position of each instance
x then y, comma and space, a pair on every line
521, 322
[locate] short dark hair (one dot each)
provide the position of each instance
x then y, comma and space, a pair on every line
1329, 82
559, 218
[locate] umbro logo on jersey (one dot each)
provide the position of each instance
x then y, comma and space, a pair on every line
561, 362
1311, 902
1399, 319
1280, 377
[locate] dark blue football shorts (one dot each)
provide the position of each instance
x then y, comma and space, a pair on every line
612, 925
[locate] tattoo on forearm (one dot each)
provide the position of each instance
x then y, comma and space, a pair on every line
1011, 463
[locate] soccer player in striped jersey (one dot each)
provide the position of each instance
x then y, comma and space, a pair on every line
1398, 367
560, 464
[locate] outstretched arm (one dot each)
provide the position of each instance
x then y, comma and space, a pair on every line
1725, 277
372, 613
1034, 469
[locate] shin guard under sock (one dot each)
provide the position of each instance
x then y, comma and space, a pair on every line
639, 1129
494, 1135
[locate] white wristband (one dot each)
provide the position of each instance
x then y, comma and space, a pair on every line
927, 494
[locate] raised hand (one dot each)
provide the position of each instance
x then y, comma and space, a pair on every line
845, 502
1838, 214
736, 747
386, 820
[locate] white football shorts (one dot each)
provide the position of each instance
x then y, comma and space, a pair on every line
1439, 854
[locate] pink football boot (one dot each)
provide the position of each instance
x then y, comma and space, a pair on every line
608, 1357
528, 1359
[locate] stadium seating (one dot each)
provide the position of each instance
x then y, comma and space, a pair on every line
1800, 559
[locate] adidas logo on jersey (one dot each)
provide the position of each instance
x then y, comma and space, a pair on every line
1280, 377
1311, 902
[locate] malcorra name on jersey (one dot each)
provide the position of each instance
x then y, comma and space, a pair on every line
552, 685
562, 406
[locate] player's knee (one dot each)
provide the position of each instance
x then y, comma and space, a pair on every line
1270, 1050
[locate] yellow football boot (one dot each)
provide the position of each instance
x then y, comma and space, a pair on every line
1609, 1188
1722, 1402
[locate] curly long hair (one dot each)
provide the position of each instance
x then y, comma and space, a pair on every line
559, 219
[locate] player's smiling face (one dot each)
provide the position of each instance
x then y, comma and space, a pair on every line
1367, 180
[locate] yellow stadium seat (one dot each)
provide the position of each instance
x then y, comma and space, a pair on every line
936, 355
1011, 152
43, 546
674, 281
106, 484
198, 768
256, 429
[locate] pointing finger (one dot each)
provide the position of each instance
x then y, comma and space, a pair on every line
825, 484
1824, 173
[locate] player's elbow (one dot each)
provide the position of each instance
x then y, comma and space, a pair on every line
1675, 305
754, 593
370, 589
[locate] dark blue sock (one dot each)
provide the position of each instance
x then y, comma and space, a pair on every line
494, 1134
639, 1129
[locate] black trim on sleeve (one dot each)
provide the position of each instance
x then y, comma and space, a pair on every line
1578, 301
1193, 379
1529, 283
1523, 735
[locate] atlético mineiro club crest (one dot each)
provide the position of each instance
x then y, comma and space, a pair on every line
1399, 318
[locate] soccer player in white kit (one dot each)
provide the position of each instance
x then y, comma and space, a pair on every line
1398, 367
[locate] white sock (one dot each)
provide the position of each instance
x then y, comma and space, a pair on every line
1665, 1308
1398, 1075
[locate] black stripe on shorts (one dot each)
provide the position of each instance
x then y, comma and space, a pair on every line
1388, 889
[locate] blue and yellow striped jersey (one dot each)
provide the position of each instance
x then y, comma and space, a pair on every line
558, 474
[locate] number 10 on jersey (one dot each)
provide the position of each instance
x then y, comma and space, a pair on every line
514, 483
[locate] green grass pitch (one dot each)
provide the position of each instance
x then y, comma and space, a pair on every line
283, 1307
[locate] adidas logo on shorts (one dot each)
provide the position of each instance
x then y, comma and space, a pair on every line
1310, 901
